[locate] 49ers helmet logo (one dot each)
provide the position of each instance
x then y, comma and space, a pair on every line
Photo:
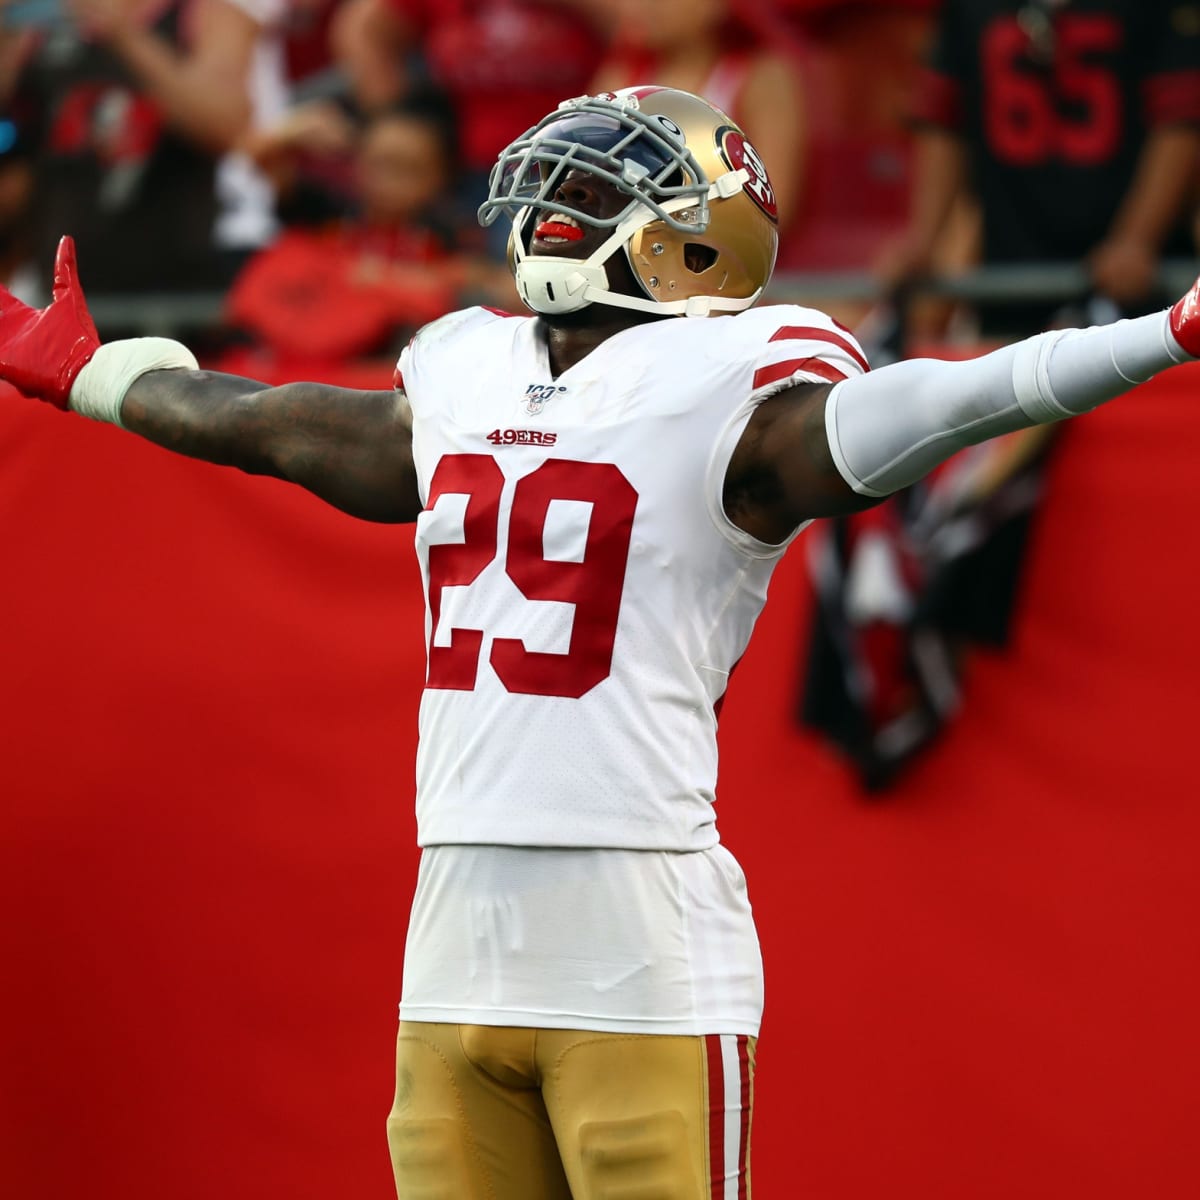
738, 153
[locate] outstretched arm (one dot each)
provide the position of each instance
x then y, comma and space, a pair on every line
819, 451
351, 448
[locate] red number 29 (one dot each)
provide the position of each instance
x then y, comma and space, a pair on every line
593, 585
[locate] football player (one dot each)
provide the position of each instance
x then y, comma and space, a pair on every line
601, 491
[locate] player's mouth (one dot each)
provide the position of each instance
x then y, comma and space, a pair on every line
557, 230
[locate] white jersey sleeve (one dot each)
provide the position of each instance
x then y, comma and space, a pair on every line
770, 349
798, 345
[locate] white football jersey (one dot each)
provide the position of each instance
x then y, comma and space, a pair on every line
587, 600
586, 595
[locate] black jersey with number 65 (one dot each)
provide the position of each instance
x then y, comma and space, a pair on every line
1054, 99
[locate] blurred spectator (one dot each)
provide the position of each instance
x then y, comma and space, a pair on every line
714, 49
17, 272
142, 107
504, 64
857, 65
308, 52
360, 286
310, 157
1049, 130
1075, 127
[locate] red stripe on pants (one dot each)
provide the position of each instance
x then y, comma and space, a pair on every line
716, 1115
743, 1149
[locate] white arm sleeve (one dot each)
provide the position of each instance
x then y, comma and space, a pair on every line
889, 428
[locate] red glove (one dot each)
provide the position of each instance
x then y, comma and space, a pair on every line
43, 349
1185, 321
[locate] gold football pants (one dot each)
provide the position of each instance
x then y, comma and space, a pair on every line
486, 1112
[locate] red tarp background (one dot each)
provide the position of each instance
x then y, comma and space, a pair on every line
984, 985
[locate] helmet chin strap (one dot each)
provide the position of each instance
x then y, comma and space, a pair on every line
551, 285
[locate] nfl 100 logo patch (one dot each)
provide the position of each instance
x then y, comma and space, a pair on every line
538, 395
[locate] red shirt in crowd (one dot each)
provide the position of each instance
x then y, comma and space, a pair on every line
506, 63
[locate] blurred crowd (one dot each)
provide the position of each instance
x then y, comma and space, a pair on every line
319, 162
310, 170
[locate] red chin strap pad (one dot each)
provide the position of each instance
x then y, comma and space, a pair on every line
43, 350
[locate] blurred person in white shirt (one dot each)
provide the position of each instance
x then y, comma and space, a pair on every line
143, 108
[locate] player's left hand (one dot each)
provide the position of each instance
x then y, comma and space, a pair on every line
42, 350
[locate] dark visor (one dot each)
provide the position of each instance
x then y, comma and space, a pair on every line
605, 135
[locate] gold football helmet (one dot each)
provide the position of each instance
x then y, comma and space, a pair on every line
700, 230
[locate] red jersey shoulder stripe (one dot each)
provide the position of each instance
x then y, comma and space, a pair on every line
781, 370
816, 333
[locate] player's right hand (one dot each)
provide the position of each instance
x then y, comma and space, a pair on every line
42, 350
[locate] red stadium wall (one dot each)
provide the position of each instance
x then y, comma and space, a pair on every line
984, 985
